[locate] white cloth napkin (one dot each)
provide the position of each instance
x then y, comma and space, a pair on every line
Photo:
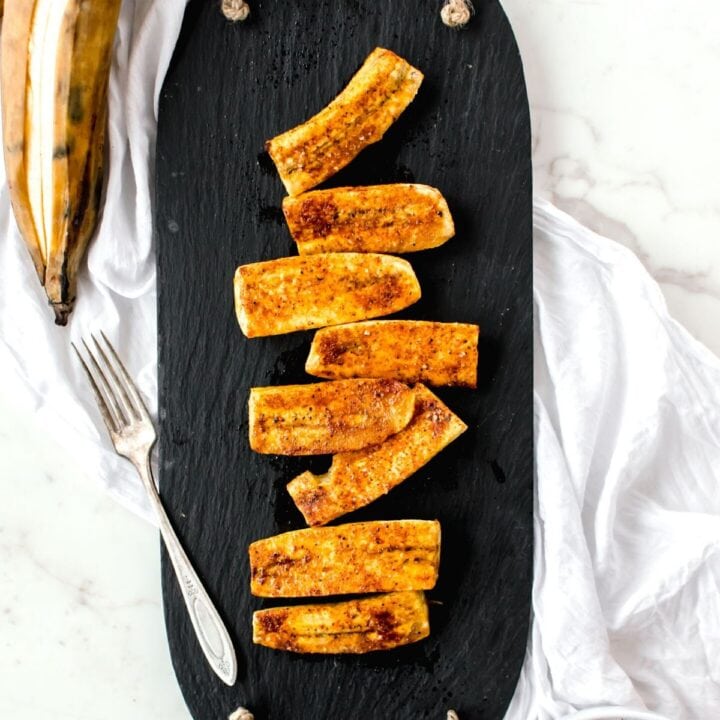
626, 595
627, 574
116, 290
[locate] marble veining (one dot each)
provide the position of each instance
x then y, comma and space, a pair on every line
625, 134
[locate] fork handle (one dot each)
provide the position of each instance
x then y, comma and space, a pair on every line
210, 630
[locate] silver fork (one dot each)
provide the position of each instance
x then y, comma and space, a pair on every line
133, 436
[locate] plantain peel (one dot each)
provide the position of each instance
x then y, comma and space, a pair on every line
359, 116
373, 623
357, 478
55, 67
368, 557
395, 218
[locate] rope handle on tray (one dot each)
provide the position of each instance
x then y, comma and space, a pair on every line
454, 13
242, 714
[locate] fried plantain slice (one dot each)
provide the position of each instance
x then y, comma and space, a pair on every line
379, 622
357, 478
409, 350
398, 218
367, 557
359, 116
302, 293
328, 417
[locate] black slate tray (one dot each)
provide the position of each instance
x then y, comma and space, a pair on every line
229, 88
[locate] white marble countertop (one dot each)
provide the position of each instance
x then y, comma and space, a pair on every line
625, 117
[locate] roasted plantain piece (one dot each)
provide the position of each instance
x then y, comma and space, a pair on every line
359, 116
55, 68
357, 478
409, 350
329, 417
301, 293
346, 559
397, 218
380, 622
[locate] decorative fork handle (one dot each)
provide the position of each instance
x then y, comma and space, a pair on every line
211, 632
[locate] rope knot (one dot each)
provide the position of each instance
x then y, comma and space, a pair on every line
242, 714
457, 13
235, 11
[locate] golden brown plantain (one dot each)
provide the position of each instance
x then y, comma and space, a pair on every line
397, 218
346, 559
357, 478
55, 67
329, 417
301, 293
409, 350
373, 623
359, 116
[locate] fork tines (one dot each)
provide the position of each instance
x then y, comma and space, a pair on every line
117, 397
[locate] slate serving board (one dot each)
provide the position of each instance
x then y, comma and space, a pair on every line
229, 88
